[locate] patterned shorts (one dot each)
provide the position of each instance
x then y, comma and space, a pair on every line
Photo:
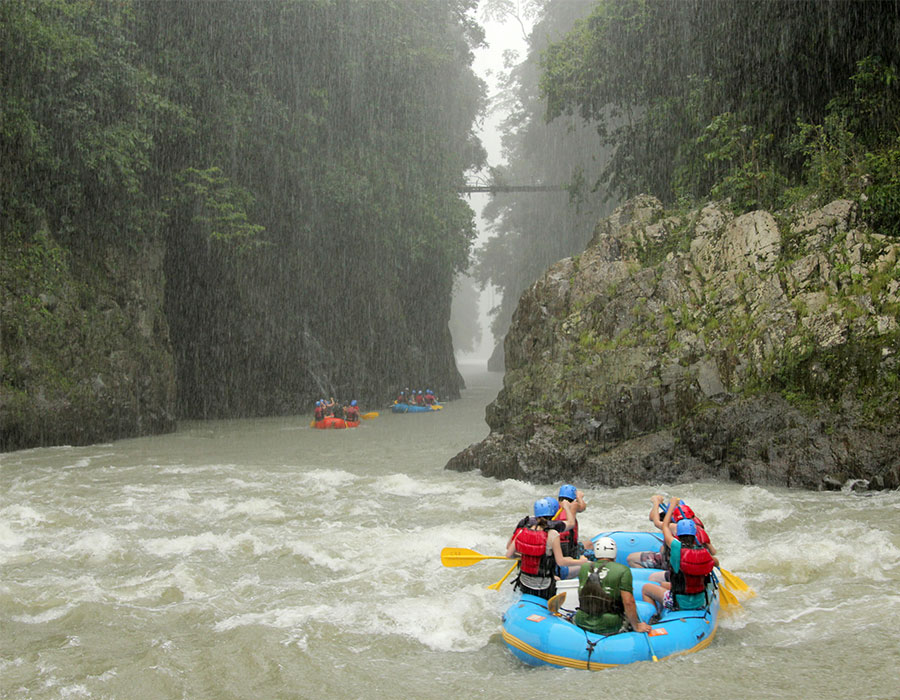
651, 560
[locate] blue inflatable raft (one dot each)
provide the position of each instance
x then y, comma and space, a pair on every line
539, 637
407, 408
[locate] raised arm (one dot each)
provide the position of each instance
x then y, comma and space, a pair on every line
654, 511
570, 508
580, 503
666, 530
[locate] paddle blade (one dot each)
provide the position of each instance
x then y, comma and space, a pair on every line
369, 415
556, 601
735, 583
459, 556
496, 586
729, 599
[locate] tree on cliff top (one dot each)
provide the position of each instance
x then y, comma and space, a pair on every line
700, 97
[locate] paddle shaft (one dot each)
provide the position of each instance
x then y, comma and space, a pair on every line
496, 586
459, 556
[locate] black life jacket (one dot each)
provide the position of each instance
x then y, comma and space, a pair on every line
568, 540
594, 599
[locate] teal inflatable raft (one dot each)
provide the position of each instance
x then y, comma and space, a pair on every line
541, 638
407, 408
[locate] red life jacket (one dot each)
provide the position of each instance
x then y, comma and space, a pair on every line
696, 565
532, 545
702, 536
351, 413
682, 512
686, 512
320, 413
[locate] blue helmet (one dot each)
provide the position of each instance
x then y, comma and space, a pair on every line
544, 508
318, 403
686, 527
567, 491
353, 403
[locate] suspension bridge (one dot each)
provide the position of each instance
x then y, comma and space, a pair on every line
473, 187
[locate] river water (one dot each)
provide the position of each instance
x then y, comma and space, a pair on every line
265, 559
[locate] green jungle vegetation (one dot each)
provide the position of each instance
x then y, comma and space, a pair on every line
298, 160
764, 103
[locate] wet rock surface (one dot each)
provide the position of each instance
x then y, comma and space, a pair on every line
762, 348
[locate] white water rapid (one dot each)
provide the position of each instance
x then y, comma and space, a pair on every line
265, 559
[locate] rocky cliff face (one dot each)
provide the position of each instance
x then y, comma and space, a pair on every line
763, 349
117, 341
86, 353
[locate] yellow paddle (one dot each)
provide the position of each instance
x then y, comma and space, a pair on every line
496, 586
650, 647
736, 583
554, 603
729, 599
459, 556
369, 415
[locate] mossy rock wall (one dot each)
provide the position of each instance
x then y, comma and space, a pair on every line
85, 352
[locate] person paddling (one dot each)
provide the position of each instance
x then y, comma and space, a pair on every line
536, 541
351, 412
689, 567
571, 499
657, 560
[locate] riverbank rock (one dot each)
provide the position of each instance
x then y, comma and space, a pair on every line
763, 348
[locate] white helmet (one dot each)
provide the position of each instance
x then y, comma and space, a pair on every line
605, 548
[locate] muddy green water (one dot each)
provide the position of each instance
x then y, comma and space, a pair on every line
265, 559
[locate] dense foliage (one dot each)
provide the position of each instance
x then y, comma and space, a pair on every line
745, 100
764, 103
299, 159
